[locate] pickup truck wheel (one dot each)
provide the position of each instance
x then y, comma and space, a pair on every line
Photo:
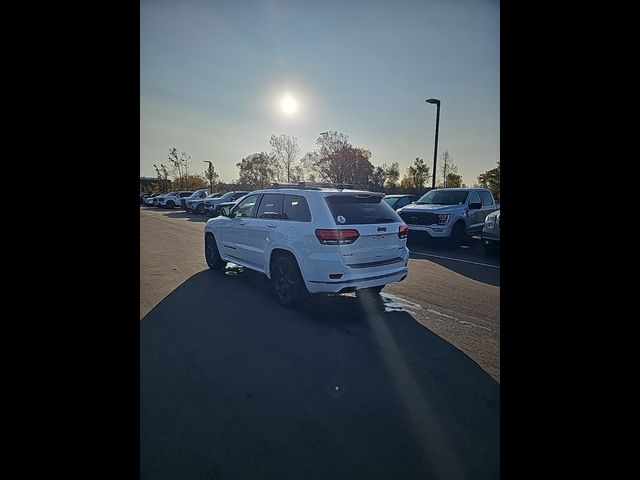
211, 254
200, 209
171, 204
287, 282
490, 248
457, 234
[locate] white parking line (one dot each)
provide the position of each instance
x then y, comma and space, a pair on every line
456, 259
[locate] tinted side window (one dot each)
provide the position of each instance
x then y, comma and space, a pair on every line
270, 206
402, 202
296, 208
486, 198
246, 207
474, 197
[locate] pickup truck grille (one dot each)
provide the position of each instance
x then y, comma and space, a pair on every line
418, 218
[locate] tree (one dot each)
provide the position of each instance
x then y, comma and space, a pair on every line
185, 160
416, 176
194, 182
448, 167
297, 173
491, 180
211, 174
179, 167
337, 161
176, 165
406, 185
284, 148
378, 178
454, 180
162, 175
258, 170
393, 175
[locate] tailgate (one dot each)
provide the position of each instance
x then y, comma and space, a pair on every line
377, 224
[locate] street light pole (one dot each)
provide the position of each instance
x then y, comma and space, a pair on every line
210, 176
435, 147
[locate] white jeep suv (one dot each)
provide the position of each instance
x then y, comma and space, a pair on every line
312, 240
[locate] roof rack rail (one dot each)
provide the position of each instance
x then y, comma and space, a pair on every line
313, 185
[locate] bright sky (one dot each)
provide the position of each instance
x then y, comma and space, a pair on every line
217, 78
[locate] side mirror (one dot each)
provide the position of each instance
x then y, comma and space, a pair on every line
475, 206
226, 211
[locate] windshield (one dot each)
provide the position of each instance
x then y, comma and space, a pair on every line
444, 197
213, 195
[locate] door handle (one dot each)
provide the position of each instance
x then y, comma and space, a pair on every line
242, 223
271, 225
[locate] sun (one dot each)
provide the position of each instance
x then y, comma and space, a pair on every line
288, 104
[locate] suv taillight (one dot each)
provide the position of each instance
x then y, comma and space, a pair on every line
337, 237
403, 231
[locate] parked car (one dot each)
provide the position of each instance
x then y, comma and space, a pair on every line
210, 205
197, 205
148, 200
225, 207
398, 201
170, 201
310, 240
156, 200
450, 213
491, 233
197, 195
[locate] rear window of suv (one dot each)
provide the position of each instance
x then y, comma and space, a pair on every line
352, 210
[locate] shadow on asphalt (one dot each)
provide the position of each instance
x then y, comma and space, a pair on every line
470, 251
232, 385
192, 217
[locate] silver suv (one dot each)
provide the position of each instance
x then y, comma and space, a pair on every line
312, 240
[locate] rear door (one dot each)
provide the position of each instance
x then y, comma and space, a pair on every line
476, 216
377, 225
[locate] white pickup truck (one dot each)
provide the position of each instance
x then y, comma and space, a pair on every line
451, 213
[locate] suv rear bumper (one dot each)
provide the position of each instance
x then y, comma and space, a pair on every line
341, 286
352, 278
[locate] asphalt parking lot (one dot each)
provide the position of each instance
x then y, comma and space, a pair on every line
235, 386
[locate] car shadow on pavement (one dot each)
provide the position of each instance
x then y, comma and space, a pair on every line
192, 217
233, 385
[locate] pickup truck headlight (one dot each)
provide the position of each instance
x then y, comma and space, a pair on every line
443, 218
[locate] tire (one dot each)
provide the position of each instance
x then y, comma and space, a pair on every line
212, 255
288, 286
492, 249
458, 234
171, 204
200, 209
